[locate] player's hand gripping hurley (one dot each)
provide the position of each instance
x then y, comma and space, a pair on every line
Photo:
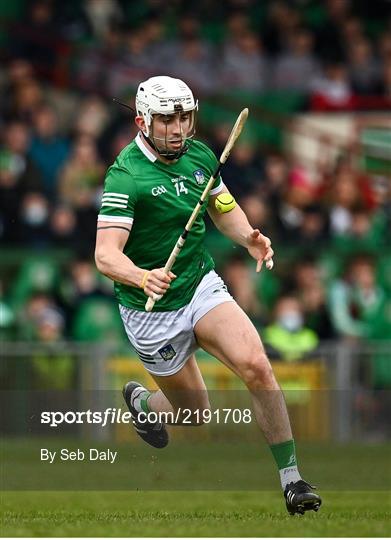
236, 130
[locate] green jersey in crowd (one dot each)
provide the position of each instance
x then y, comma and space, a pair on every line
157, 199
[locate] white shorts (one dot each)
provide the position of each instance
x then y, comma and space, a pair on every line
164, 340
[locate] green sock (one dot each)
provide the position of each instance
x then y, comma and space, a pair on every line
140, 403
144, 402
285, 456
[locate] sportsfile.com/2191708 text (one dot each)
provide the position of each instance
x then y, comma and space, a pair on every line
181, 416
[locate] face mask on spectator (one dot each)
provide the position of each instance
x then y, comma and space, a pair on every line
35, 214
291, 321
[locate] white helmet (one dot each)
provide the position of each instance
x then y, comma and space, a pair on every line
165, 95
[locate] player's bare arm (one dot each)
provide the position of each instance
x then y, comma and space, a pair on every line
113, 263
234, 224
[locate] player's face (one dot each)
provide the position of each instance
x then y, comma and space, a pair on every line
170, 131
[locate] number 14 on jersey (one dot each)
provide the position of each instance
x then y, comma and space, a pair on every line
181, 188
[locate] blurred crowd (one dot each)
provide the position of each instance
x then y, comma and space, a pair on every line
337, 51
60, 132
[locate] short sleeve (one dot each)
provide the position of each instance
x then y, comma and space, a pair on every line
213, 161
217, 186
119, 196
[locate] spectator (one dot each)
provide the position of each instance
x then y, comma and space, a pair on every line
33, 220
27, 98
42, 322
296, 68
188, 29
363, 69
244, 64
48, 150
33, 311
80, 186
314, 228
18, 71
195, 64
134, 63
330, 40
287, 338
332, 91
290, 211
85, 283
356, 301
240, 282
367, 231
101, 15
18, 175
79, 182
384, 47
344, 197
96, 61
352, 32
310, 290
36, 38
257, 211
92, 117
37, 275
63, 230
238, 23
276, 174
381, 201
50, 326
283, 19
243, 171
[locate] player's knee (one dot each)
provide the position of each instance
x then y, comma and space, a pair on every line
257, 372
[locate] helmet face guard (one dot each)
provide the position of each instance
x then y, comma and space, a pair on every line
165, 96
161, 144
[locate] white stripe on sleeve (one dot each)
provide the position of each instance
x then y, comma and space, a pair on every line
116, 219
114, 205
116, 195
217, 189
113, 199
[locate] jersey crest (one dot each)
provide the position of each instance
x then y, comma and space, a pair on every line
167, 352
199, 175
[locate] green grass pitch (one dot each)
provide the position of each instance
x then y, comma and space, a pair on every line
150, 494
199, 514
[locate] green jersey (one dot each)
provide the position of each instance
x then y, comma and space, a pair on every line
157, 199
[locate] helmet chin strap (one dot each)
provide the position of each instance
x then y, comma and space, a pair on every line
170, 156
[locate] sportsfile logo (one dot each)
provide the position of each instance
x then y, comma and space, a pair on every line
103, 418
